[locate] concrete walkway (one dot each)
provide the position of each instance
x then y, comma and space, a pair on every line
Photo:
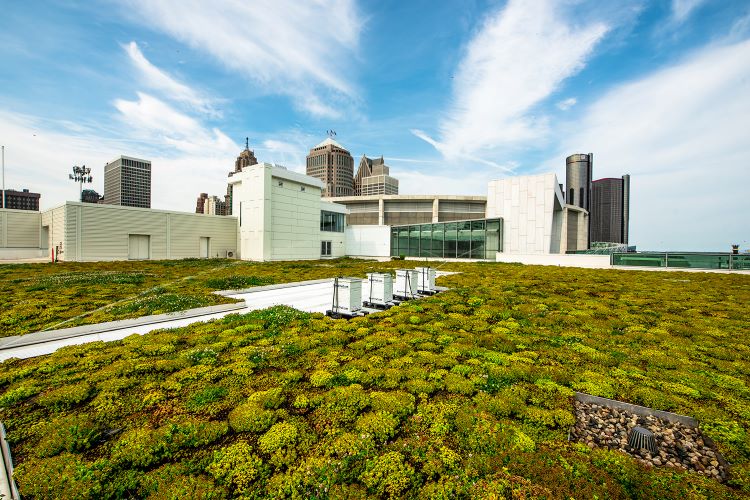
313, 296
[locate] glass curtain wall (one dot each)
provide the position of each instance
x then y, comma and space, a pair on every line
476, 239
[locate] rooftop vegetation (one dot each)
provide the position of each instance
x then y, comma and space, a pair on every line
47, 296
467, 394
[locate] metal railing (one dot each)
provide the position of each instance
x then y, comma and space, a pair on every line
687, 260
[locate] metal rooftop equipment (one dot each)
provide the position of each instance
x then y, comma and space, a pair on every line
347, 298
640, 437
407, 281
378, 291
426, 283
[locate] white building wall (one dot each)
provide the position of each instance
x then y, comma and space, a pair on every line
368, 241
280, 215
531, 208
93, 232
19, 228
185, 231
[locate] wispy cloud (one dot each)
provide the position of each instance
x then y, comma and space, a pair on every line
682, 134
682, 9
166, 84
518, 58
154, 120
566, 104
40, 153
299, 49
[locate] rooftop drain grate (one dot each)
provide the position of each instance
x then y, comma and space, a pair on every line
642, 438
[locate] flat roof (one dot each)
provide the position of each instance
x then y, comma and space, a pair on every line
406, 197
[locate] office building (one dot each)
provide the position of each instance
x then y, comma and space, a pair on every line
246, 158
20, 200
373, 178
334, 166
395, 210
578, 177
127, 182
91, 196
200, 203
610, 210
281, 215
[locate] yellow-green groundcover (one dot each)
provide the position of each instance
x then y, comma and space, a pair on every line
466, 394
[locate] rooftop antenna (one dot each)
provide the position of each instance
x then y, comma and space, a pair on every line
81, 175
331, 133
247, 143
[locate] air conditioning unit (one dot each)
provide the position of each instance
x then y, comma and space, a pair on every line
426, 283
406, 283
378, 289
230, 254
347, 296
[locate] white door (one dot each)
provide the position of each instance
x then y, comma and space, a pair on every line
203, 247
138, 246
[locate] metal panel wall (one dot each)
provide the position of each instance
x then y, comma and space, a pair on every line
22, 228
187, 229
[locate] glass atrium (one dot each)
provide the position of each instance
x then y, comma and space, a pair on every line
472, 239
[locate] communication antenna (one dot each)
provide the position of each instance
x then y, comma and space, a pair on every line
331, 133
81, 175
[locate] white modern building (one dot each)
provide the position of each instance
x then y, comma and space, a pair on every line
280, 215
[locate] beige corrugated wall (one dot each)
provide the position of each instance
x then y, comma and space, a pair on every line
19, 228
101, 232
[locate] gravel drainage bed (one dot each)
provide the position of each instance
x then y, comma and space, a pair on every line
679, 443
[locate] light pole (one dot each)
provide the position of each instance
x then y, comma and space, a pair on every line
2, 202
80, 175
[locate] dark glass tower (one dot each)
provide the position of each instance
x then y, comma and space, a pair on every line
610, 210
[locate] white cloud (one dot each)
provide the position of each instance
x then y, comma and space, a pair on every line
682, 9
171, 88
518, 58
153, 120
566, 104
681, 133
299, 49
39, 155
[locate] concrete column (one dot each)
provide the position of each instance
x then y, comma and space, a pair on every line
381, 212
435, 210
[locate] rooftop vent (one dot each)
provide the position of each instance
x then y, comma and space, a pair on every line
640, 437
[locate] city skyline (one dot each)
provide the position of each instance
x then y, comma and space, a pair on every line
655, 89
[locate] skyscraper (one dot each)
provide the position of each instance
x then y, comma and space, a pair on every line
610, 210
578, 169
246, 158
127, 182
372, 178
334, 165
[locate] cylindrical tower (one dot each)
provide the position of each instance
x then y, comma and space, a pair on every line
578, 180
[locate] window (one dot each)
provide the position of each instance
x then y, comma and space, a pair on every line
572, 200
331, 222
302, 188
325, 248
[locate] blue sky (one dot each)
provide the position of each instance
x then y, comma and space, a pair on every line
452, 94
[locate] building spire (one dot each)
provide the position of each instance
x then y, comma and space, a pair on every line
247, 143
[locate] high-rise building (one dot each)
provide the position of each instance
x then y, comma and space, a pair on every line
20, 200
90, 196
334, 165
200, 203
372, 178
245, 159
610, 210
127, 182
578, 170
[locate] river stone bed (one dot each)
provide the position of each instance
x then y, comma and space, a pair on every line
677, 444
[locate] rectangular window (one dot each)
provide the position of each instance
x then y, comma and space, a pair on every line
331, 222
325, 248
